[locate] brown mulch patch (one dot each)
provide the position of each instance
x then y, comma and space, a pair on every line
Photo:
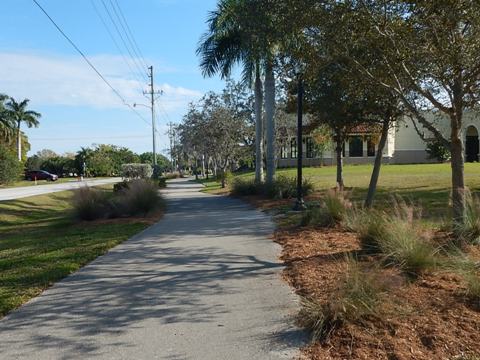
425, 319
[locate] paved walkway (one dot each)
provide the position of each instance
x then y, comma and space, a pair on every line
26, 191
203, 283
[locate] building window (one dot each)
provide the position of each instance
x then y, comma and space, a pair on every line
310, 148
355, 146
370, 147
293, 148
284, 152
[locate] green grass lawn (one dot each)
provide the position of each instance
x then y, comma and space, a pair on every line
40, 243
425, 184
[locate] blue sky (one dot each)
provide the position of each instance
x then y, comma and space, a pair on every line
77, 108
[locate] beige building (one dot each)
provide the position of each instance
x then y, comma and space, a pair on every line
404, 144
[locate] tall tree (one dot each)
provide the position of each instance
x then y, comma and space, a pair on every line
427, 54
18, 113
6, 124
227, 42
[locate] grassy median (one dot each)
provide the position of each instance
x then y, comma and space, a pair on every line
41, 242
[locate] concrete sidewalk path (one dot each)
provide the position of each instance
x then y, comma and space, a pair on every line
204, 283
26, 191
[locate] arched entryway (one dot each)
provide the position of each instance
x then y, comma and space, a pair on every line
471, 145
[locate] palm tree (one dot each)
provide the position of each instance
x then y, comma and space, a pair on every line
6, 125
227, 42
18, 114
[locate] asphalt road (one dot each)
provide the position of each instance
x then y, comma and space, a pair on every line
26, 191
204, 283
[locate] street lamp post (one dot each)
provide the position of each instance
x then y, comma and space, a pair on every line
299, 204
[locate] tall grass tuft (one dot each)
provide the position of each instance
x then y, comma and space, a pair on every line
332, 211
90, 204
468, 232
140, 198
359, 296
395, 236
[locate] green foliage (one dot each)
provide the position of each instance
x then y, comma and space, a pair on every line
120, 186
162, 182
245, 187
436, 150
136, 171
10, 167
284, 187
359, 295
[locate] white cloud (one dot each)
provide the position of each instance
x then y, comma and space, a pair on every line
49, 79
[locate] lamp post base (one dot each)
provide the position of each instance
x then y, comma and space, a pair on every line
299, 205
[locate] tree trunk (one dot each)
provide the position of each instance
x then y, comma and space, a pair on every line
458, 181
19, 142
372, 188
338, 150
270, 120
206, 169
258, 127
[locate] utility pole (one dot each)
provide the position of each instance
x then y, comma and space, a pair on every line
152, 94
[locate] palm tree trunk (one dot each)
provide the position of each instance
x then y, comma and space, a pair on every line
270, 121
258, 127
19, 142
372, 188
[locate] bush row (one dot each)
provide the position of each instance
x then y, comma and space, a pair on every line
137, 197
282, 188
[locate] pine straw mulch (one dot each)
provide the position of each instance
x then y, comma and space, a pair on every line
428, 318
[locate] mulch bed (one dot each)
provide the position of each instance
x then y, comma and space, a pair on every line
428, 318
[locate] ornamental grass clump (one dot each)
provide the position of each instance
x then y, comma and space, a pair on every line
332, 210
140, 198
395, 236
468, 231
359, 296
90, 204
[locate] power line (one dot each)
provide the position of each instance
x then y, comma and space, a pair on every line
130, 34
89, 62
140, 70
97, 11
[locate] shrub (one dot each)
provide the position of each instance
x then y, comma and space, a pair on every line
90, 204
436, 150
10, 167
120, 186
284, 187
137, 171
332, 211
141, 197
162, 182
359, 296
244, 187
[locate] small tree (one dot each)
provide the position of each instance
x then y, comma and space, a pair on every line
10, 167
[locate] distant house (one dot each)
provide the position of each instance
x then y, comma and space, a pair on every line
404, 144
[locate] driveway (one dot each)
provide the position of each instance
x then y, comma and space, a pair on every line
26, 191
204, 283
